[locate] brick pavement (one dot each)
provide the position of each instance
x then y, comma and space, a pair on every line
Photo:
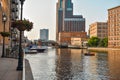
8, 68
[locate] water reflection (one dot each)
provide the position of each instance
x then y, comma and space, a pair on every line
72, 64
63, 64
114, 64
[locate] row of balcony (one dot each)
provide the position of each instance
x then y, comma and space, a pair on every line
14, 9
15, 2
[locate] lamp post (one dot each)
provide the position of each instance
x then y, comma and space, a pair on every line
20, 59
4, 19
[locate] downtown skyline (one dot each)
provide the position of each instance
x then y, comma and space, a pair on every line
43, 13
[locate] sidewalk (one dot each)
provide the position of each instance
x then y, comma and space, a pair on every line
28, 71
102, 48
8, 68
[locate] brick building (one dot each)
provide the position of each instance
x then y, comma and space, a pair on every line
65, 37
98, 29
114, 27
11, 9
4, 9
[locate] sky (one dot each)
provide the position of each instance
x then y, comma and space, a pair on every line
43, 14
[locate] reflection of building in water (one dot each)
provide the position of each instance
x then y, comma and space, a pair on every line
102, 63
90, 68
63, 64
114, 64
72, 64
77, 63
69, 63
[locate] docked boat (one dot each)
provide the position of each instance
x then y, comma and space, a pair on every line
27, 51
38, 48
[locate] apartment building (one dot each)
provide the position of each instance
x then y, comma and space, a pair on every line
4, 10
98, 29
11, 9
114, 27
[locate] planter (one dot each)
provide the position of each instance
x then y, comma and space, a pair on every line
21, 28
22, 25
5, 34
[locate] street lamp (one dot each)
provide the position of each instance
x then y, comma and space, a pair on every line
20, 59
4, 19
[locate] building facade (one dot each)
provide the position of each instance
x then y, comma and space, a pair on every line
44, 34
65, 37
14, 10
4, 9
11, 9
114, 27
81, 42
98, 29
66, 21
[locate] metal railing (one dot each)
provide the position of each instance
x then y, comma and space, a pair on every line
12, 53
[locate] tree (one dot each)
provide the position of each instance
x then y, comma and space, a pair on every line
93, 42
101, 43
105, 42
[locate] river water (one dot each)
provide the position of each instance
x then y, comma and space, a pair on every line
72, 64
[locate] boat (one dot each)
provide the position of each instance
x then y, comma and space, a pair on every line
30, 52
38, 48
27, 51
89, 54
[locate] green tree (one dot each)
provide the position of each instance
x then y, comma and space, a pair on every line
101, 43
93, 42
105, 42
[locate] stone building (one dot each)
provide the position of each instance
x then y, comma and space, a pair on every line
114, 27
98, 29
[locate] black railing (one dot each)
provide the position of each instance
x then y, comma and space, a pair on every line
12, 53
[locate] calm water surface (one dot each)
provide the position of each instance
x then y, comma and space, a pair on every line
72, 64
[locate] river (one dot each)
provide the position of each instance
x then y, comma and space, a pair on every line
72, 64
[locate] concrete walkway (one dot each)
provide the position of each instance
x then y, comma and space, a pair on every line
102, 48
8, 68
28, 71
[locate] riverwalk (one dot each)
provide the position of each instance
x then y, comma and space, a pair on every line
102, 48
8, 68
28, 71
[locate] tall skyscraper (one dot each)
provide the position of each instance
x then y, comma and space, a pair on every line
66, 21
44, 34
114, 27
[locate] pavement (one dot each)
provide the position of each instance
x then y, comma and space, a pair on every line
8, 68
28, 71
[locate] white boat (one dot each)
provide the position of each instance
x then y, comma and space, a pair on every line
38, 48
27, 51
